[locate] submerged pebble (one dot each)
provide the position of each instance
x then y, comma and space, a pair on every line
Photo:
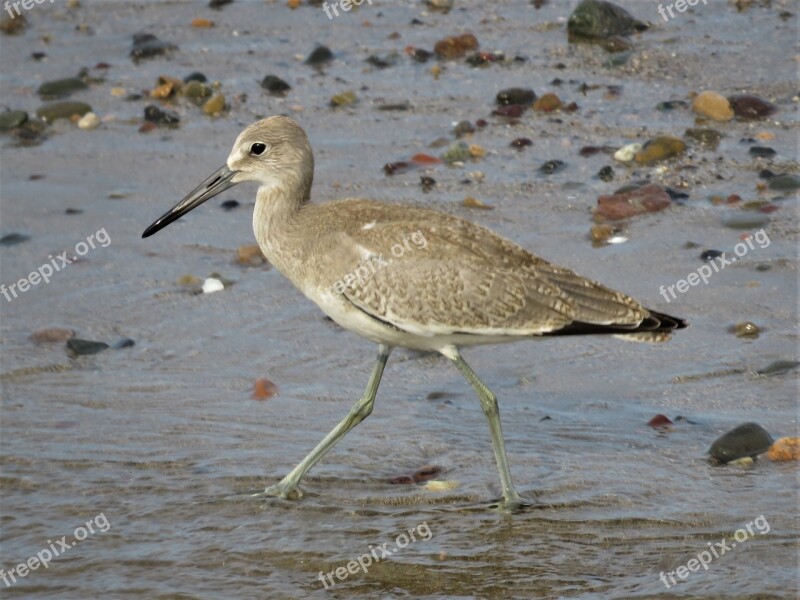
146, 45
12, 239
660, 422
713, 105
629, 203
746, 440
275, 85
64, 109
123, 343
660, 148
746, 329
747, 106
10, 119
85, 347
552, 166
344, 99
784, 449
89, 121
627, 153
762, 151
319, 56
596, 19
61, 88
153, 114
456, 46
515, 95
784, 183
547, 103
707, 137
263, 389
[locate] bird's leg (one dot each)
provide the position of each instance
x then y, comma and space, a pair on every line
489, 406
360, 411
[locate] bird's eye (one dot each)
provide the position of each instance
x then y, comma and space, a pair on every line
258, 149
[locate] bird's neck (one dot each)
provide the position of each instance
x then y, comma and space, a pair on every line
276, 216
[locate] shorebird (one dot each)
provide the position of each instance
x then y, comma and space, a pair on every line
466, 286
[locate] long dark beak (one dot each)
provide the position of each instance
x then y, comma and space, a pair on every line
219, 181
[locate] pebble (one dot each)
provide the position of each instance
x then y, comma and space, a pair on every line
596, 19
746, 329
707, 137
606, 173
516, 95
189, 281
153, 114
660, 148
85, 347
547, 103
52, 335
521, 142
627, 153
263, 389
319, 56
456, 152
383, 62
118, 92
552, 166
214, 105
275, 85
12, 239
463, 128
631, 202
146, 45
747, 106
438, 485
660, 422
229, 204
123, 343
713, 105
202, 23
709, 255
784, 183
453, 47
61, 88
427, 183
62, 110
250, 255
10, 119
13, 25
746, 440
762, 151
785, 449
778, 367
211, 285
471, 202
344, 99
195, 76
511, 111
746, 220
89, 121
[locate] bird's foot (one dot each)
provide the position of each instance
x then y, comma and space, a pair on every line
280, 490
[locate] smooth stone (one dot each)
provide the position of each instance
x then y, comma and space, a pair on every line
627, 153
713, 105
515, 95
52, 335
463, 128
632, 202
61, 88
746, 440
62, 110
195, 76
10, 119
275, 85
596, 19
778, 367
146, 45
552, 166
747, 106
746, 220
606, 173
453, 47
707, 137
319, 55
784, 183
196, 91
211, 285
547, 103
746, 330
229, 204
12, 239
154, 114
457, 152
660, 148
344, 99
89, 121
123, 343
85, 347
762, 152
214, 105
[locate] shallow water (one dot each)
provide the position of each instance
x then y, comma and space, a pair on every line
163, 438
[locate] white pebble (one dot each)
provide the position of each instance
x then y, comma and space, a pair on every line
626, 153
89, 121
212, 285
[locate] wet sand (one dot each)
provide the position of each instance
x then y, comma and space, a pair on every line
163, 438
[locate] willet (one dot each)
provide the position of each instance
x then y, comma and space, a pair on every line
468, 286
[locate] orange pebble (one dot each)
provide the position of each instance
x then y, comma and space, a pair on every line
264, 389
785, 448
203, 23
